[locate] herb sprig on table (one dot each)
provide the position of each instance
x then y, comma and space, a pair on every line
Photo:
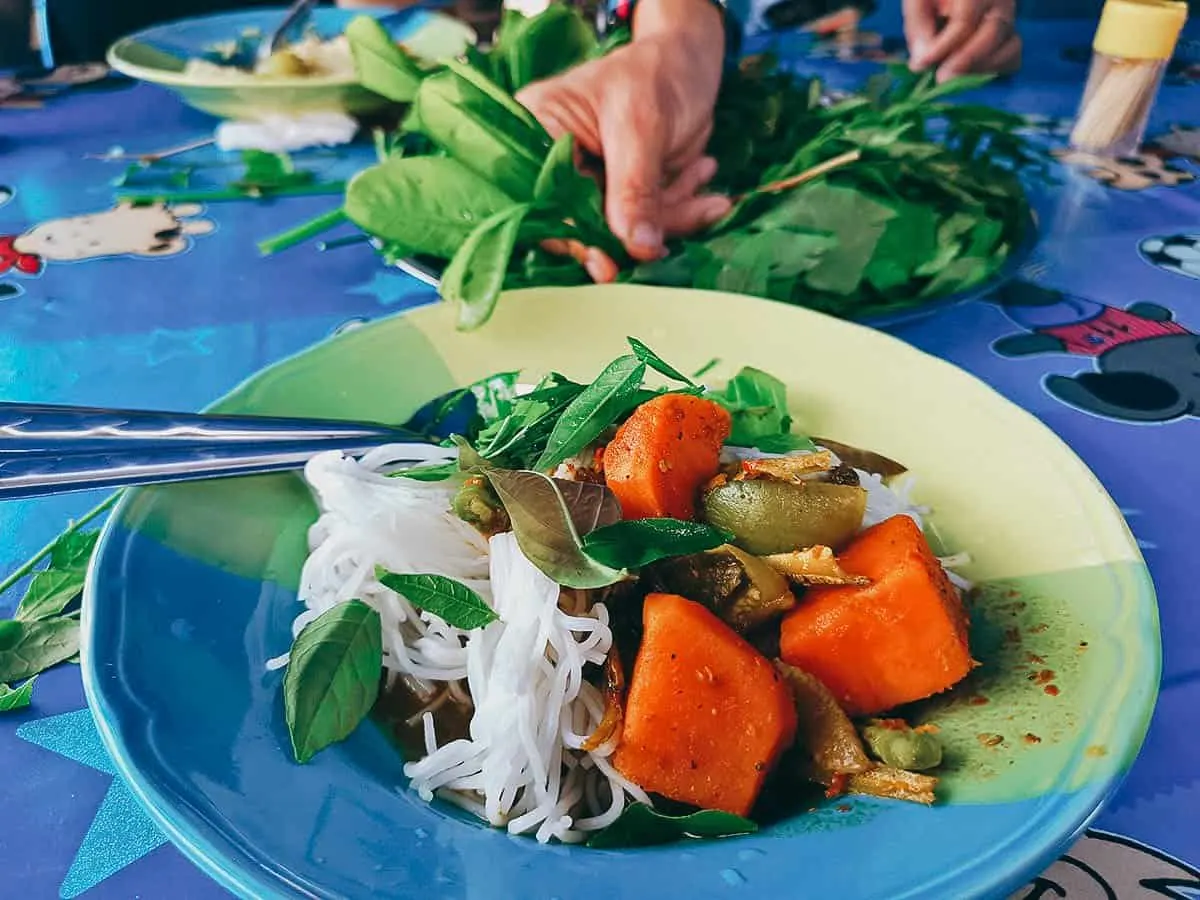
885, 199
44, 629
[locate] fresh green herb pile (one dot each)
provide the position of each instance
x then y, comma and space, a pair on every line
922, 198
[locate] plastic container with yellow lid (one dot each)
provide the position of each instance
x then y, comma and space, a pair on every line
1134, 42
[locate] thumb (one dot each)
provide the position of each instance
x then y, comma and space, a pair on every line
920, 28
633, 175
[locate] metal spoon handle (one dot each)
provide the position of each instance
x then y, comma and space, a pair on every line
48, 449
40, 426
38, 474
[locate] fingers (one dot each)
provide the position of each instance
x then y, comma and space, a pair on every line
632, 139
598, 264
979, 49
1007, 58
962, 21
695, 214
685, 209
689, 181
920, 29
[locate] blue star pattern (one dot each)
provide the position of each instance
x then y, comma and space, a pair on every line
389, 288
121, 833
164, 344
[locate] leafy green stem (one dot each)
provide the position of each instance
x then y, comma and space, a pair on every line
302, 232
215, 196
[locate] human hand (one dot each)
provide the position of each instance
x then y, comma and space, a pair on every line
646, 111
961, 36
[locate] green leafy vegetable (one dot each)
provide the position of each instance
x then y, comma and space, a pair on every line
267, 173
380, 63
332, 677
541, 46
476, 273
518, 439
452, 601
595, 408
427, 202
482, 129
757, 403
639, 542
657, 363
430, 472
49, 593
29, 648
13, 699
640, 825
73, 550
549, 516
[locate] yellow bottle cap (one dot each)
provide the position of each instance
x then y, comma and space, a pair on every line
1140, 29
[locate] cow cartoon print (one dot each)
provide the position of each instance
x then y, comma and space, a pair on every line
1175, 253
1145, 362
140, 230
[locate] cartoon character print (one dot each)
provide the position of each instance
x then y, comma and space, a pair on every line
1175, 253
1104, 866
1145, 362
127, 230
1136, 172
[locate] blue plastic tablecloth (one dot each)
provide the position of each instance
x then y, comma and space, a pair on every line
173, 310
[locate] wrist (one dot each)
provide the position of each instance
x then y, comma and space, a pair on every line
699, 23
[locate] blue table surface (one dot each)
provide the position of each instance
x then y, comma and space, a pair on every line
116, 312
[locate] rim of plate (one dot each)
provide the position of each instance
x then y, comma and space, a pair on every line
1045, 836
166, 77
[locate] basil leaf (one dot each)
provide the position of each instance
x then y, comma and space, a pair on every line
642, 826
656, 362
332, 678
468, 457
521, 436
379, 62
19, 698
430, 204
73, 550
433, 472
639, 542
475, 275
455, 603
33, 647
49, 593
548, 516
596, 407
